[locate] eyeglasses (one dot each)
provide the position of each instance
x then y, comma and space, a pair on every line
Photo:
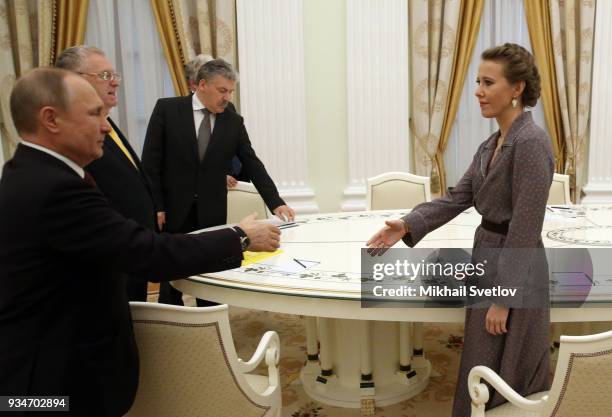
104, 75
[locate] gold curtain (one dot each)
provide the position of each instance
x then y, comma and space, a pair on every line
70, 18
26, 28
573, 29
564, 30
209, 27
442, 38
469, 22
169, 29
540, 33
45, 22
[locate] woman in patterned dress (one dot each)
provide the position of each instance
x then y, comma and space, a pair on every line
508, 183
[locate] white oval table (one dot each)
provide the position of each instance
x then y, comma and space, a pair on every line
361, 356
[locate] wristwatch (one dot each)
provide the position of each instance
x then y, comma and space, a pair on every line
244, 239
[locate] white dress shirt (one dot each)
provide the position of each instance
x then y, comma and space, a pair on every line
198, 114
80, 172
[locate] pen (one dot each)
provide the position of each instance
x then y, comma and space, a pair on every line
562, 208
288, 225
301, 264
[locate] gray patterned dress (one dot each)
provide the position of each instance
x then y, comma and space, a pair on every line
513, 190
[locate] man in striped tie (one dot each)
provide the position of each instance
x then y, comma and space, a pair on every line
118, 173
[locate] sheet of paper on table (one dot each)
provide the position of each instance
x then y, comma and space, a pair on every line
295, 266
562, 214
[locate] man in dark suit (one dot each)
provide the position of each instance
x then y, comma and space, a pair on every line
64, 315
188, 149
118, 173
235, 173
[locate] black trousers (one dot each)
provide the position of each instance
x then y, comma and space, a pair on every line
136, 288
167, 293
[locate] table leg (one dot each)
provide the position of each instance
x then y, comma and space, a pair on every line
418, 339
365, 340
360, 365
556, 335
366, 384
325, 354
312, 345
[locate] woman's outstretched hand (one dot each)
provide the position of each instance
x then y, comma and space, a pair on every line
386, 237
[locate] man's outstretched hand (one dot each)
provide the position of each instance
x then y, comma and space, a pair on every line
263, 237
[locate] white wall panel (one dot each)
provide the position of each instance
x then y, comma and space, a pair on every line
271, 56
599, 186
377, 93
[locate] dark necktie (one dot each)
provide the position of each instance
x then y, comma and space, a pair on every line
204, 134
90, 180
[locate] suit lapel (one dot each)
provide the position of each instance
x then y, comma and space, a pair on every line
126, 143
487, 154
110, 144
489, 149
186, 124
217, 133
488, 172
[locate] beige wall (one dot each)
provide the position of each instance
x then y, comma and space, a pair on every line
325, 80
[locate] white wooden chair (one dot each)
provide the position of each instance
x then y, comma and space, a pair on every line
396, 190
582, 385
559, 190
243, 200
189, 367
399, 190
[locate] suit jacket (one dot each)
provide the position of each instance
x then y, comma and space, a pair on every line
170, 157
59, 240
128, 189
235, 168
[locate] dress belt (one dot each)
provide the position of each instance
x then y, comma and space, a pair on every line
501, 228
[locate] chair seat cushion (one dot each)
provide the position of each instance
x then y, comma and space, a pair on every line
509, 410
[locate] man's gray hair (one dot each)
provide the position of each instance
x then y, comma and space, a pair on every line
192, 67
72, 58
211, 69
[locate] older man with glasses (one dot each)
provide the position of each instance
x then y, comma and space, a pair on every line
118, 173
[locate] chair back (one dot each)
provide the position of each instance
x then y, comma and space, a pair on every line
582, 385
188, 364
396, 190
559, 190
243, 200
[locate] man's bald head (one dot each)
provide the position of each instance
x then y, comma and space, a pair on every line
36, 89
